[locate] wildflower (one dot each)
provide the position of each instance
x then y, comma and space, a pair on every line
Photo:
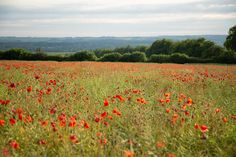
44, 123
28, 119
106, 103
12, 85
36, 77
29, 89
53, 110
167, 100
217, 110
73, 139
104, 114
196, 126
62, 123
128, 154
225, 119
86, 125
142, 101
160, 144
2, 122
204, 128
161, 101
174, 118
5, 152
120, 98
14, 145
103, 141
72, 124
49, 90
106, 123
189, 101
97, 119
115, 111
42, 142
12, 121
167, 110
167, 95
171, 155
20, 116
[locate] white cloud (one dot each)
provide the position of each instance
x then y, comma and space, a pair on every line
147, 16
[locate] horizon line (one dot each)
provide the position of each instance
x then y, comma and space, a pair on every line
110, 36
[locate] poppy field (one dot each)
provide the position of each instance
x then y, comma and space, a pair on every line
117, 109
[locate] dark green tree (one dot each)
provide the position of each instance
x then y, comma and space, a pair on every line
111, 57
16, 54
161, 47
230, 42
83, 56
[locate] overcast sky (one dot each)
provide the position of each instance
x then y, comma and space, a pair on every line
63, 18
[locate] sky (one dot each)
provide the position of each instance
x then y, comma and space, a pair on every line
121, 18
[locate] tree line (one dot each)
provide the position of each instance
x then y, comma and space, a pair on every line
161, 51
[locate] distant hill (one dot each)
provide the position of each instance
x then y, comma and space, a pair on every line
73, 44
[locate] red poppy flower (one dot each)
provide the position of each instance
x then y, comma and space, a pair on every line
104, 114
160, 144
167, 110
12, 85
5, 152
36, 77
167, 100
73, 139
225, 119
97, 119
171, 155
12, 121
196, 126
103, 141
44, 123
42, 142
120, 98
72, 123
128, 154
217, 110
53, 110
2, 122
189, 101
14, 145
86, 125
28, 119
106, 103
115, 111
167, 95
62, 123
29, 89
204, 128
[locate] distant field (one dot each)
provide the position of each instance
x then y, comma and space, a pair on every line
117, 109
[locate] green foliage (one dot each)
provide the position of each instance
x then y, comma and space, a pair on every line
228, 57
161, 51
161, 47
100, 52
111, 57
125, 57
134, 57
16, 54
160, 58
230, 42
200, 48
39, 56
179, 58
83, 56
